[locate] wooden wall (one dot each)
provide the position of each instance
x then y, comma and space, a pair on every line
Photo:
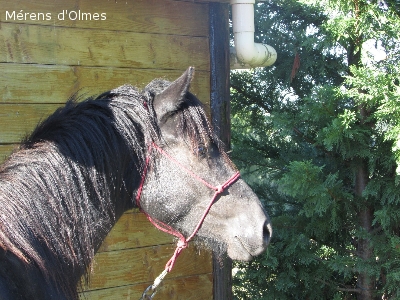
134, 253
44, 60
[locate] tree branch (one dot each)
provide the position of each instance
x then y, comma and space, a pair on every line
311, 142
303, 136
249, 96
341, 289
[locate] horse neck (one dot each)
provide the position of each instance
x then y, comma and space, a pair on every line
19, 281
65, 194
63, 209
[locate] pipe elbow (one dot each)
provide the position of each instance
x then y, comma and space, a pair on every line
248, 53
253, 54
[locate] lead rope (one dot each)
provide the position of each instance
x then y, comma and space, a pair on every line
151, 290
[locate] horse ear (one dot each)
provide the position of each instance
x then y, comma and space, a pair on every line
170, 99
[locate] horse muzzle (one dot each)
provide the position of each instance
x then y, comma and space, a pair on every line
251, 241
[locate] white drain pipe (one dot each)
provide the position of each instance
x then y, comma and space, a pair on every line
247, 54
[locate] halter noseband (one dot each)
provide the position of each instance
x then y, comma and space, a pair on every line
183, 241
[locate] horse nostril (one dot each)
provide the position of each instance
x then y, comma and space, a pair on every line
267, 232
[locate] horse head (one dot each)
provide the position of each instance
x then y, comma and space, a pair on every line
186, 171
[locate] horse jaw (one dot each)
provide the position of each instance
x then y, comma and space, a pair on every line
238, 224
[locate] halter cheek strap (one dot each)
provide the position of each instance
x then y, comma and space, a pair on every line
183, 241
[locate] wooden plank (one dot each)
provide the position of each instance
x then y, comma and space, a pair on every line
36, 83
133, 230
151, 16
18, 120
32, 83
5, 151
22, 43
198, 287
130, 266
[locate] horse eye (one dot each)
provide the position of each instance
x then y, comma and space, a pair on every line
201, 151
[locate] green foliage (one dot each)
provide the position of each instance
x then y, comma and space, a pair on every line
301, 142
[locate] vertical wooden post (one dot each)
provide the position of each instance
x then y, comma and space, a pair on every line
219, 60
220, 115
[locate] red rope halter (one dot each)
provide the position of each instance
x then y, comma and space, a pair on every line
183, 241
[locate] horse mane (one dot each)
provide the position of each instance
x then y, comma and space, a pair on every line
61, 193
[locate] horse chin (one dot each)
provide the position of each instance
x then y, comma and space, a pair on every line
240, 251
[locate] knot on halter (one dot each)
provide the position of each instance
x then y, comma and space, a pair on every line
182, 244
219, 189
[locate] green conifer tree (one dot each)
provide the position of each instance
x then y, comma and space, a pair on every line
320, 145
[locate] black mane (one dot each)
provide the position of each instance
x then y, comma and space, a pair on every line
61, 193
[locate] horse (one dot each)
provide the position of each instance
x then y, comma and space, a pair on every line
68, 183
